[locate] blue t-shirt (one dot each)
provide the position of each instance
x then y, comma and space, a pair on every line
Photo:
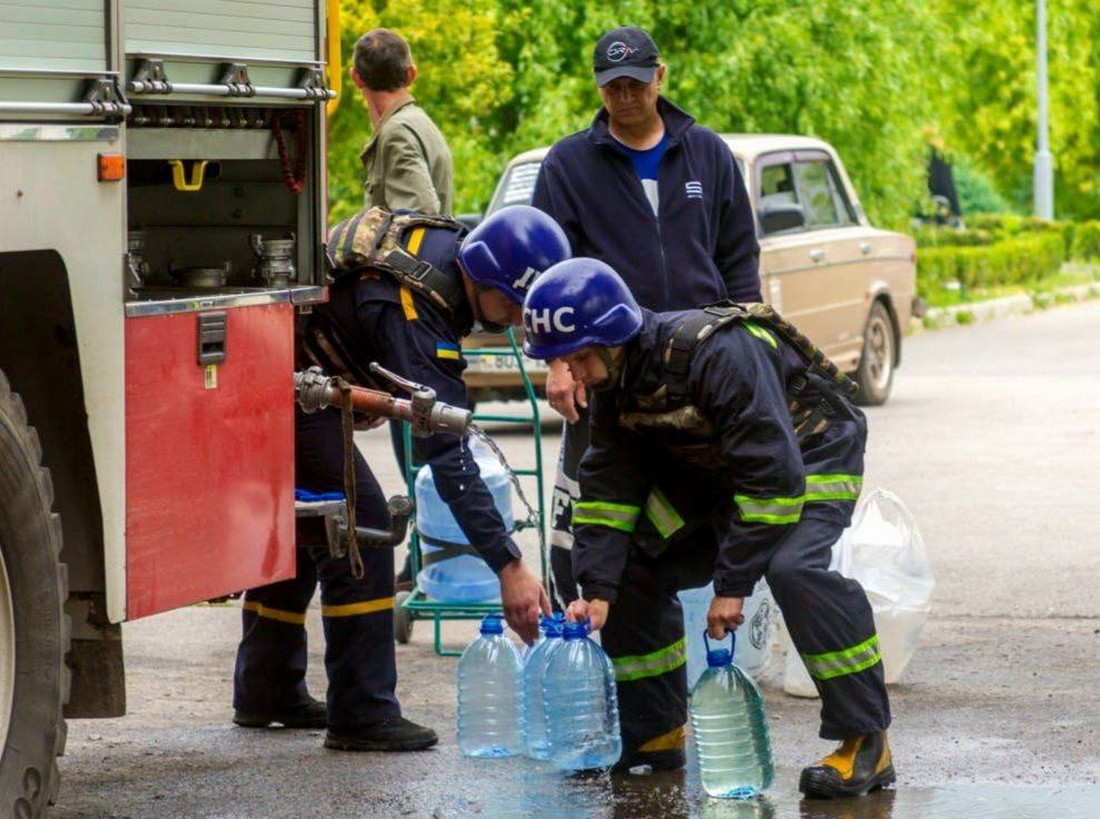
645, 165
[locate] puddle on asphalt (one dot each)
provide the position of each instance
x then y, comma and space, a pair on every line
678, 795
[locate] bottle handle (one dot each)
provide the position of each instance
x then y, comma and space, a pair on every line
732, 635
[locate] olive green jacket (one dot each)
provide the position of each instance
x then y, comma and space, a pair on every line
408, 164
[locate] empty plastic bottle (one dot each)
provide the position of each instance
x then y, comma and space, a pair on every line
730, 730
460, 577
582, 707
536, 739
490, 694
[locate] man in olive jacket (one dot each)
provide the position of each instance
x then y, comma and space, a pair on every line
407, 162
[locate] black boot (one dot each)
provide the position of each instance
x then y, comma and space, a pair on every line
859, 765
310, 714
394, 734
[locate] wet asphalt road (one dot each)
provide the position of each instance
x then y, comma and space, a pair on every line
992, 438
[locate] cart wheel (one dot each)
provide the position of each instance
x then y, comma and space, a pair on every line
402, 618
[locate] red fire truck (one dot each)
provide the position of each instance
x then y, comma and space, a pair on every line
162, 206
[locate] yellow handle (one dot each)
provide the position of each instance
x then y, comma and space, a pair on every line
335, 68
198, 169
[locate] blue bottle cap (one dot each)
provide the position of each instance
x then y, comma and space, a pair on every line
575, 631
551, 627
719, 657
492, 624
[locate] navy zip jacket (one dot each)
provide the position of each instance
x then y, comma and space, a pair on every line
410, 335
700, 248
767, 479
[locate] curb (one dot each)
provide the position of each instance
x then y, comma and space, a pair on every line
1019, 305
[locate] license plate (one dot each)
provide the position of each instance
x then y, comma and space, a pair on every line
502, 363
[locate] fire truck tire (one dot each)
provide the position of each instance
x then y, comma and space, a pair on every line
34, 630
402, 618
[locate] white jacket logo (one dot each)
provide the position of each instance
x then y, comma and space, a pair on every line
693, 189
541, 321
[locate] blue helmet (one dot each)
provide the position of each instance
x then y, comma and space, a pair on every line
511, 247
577, 303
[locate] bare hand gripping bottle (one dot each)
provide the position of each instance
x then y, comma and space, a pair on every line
490, 694
730, 730
582, 706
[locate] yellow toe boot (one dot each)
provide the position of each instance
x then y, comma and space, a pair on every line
859, 765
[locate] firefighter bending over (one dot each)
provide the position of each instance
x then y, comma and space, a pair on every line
723, 448
407, 288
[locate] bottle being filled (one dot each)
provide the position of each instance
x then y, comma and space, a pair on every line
453, 571
582, 706
490, 694
536, 739
730, 730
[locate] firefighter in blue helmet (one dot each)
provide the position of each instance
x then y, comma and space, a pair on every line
723, 448
406, 288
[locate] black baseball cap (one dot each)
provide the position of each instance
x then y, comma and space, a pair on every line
625, 52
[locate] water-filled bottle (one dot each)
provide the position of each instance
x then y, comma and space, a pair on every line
582, 707
461, 578
536, 740
490, 694
730, 730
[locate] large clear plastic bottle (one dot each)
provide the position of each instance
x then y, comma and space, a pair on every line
730, 730
463, 578
536, 739
582, 706
490, 694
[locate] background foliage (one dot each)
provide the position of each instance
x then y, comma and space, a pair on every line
881, 80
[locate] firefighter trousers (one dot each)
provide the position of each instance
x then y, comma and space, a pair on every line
357, 615
828, 616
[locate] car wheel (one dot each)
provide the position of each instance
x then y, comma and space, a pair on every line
34, 630
402, 618
875, 374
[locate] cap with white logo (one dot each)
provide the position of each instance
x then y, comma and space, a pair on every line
625, 52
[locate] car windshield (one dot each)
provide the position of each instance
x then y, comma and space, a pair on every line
517, 187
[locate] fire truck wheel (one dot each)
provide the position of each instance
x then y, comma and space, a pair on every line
402, 618
34, 630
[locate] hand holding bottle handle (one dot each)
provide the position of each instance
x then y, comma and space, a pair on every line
594, 611
724, 616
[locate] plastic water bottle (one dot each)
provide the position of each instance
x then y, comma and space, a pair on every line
582, 707
730, 730
490, 694
464, 578
536, 739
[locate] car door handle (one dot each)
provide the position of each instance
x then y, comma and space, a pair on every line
817, 255
864, 248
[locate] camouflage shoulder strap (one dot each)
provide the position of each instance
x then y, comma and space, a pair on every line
702, 324
378, 239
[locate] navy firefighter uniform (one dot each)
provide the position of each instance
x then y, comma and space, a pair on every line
731, 463
371, 316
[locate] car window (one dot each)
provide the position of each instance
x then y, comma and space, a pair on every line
517, 187
820, 194
777, 185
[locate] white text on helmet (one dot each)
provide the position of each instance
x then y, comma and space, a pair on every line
541, 321
524, 281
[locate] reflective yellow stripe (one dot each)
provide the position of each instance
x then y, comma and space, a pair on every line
662, 514
355, 609
760, 333
415, 238
839, 663
833, 487
293, 617
769, 510
614, 515
672, 741
655, 664
407, 304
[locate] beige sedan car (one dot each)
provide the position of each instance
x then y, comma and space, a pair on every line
849, 286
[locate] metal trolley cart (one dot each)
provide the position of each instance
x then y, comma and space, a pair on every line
410, 606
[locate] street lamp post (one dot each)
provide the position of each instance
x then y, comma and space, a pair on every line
1044, 165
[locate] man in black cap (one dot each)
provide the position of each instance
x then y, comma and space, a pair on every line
662, 201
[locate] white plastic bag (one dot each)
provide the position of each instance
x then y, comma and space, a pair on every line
884, 551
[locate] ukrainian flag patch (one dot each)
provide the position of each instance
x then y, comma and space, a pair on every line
444, 349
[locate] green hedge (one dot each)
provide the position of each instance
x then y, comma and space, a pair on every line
1086, 242
1024, 259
